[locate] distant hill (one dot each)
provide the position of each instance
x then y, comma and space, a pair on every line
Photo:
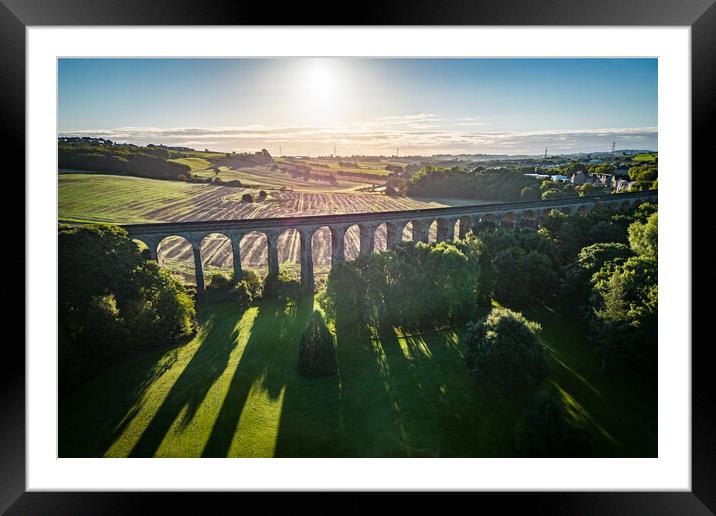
100, 155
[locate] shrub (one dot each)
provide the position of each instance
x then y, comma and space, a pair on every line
218, 281
546, 429
504, 352
282, 287
253, 283
222, 288
262, 195
247, 197
316, 354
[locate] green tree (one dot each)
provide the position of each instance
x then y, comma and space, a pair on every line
113, 300
504, 352
643, 236
316, 353
547, 429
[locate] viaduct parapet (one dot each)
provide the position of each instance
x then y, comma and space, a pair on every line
516, 214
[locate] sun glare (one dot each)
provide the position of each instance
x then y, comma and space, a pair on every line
320, 87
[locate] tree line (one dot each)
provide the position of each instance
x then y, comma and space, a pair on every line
125, 160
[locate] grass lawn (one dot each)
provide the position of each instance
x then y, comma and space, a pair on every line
233, 391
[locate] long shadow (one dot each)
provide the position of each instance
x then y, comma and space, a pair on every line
92, 418
266, 364
312, 420
191, 387
386, 401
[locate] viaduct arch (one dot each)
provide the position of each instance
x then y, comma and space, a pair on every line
514, 214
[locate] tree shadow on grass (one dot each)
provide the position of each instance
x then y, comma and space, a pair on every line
407, 396
267, 364
94, 416
437, 409
190, 389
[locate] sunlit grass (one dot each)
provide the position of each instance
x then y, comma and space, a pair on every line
233, 391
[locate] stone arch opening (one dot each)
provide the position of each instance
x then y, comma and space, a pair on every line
488, 219
433, 232
406, 235
507, 219
217, 256
289, 252
322, 254
529, 219
254, 253
380, 237
351, 242
463, 225
176, 254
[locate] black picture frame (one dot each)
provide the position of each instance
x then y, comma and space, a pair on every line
700, 15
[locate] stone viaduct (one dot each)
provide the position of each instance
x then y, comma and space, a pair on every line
514, 214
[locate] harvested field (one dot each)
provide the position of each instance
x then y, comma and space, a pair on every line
119, 199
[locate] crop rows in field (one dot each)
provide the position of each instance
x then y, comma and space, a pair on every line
118, 199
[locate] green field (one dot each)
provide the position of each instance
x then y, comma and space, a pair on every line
121, 199
233, 391
646, 158
261, 176
126, 199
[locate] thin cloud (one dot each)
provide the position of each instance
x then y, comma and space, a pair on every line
418, 134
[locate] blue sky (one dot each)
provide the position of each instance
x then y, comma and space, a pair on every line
307, 105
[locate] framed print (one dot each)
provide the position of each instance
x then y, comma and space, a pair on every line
418, 252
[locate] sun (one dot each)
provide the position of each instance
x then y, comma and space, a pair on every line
319, 87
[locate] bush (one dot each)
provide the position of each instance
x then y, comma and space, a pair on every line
546, 429
247, 197
218, 281
222, 288
253, 283
316, 354
504, 352
283, 287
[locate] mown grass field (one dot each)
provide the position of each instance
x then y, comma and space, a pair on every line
233, 391
266, 177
